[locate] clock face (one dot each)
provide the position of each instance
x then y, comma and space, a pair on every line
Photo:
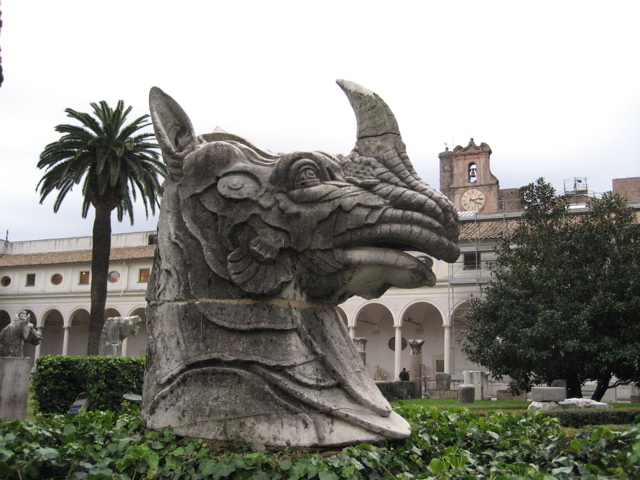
473, 200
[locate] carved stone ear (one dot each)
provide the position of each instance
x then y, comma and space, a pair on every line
174, 131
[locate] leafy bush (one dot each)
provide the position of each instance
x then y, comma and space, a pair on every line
397, 390
109, 378
59, 379
444, 445
578, 418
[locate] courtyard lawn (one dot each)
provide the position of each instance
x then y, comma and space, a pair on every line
482, 405
486, 405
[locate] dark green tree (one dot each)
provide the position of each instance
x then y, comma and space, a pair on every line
114, 161
565, 300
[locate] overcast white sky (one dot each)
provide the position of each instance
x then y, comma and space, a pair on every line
553, 87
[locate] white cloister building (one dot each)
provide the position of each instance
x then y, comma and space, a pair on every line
51, 279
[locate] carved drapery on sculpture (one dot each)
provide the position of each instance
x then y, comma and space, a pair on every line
16, 334
114, 331
254, 251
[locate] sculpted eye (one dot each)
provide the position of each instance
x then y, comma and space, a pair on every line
306, 174
238, 185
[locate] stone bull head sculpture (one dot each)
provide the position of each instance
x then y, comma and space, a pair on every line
254, 251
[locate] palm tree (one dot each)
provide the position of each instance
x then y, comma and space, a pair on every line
114, 161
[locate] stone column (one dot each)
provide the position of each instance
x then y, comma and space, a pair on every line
361, 346
447, 348
65, 340
415, 364
397, 363
36, 355
352, 332
125, 347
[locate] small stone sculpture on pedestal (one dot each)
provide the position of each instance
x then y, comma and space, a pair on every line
114, 331
14, 336
14, 367
254, 251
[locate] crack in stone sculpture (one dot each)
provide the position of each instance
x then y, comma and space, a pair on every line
254, 251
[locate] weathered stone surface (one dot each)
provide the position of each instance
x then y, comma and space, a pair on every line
506, 395
443, 381
466, 393
254, 251
548, 394
14, 387
481, 381
582, 403
14, 336
543, 406
568, 403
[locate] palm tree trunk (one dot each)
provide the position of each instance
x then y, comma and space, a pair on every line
99, 274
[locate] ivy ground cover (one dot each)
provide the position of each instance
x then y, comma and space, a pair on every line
452, 444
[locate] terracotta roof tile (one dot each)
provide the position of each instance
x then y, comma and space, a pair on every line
75, 256
486, 229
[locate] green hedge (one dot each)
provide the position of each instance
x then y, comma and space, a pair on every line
578, 418
59, 379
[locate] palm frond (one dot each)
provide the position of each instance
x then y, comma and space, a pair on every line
116, 162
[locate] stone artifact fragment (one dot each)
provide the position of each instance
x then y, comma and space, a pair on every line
14, 335
254, 251
114, 331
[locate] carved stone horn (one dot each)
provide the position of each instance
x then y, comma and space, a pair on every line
379, 134
373, 115
174, 131
379, 137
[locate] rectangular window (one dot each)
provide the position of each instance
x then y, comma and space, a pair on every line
471, 260
144, 275
84, 278
31, 280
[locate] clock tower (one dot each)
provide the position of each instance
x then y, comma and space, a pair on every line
466, 178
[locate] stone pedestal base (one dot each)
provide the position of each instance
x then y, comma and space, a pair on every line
480, 380
443, 381
14, 387
502, 395
466, 393
548, 394
433, 393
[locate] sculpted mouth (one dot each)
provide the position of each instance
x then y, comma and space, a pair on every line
370, 271
375, 258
